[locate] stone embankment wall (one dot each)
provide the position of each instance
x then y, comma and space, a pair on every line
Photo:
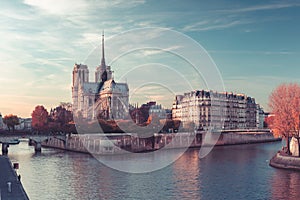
285, 162
245, 138
118, 143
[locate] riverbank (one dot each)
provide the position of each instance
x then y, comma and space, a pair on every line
10, 186
283, 161
124, 143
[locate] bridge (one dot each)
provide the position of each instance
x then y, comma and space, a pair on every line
34, 139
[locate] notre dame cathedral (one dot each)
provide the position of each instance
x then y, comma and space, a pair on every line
103, 98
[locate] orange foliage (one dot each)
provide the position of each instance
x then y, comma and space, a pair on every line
11, 121
40, 118
285, 104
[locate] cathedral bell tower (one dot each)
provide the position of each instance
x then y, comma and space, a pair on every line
80, 76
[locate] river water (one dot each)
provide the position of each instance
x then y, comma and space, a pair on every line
228, 172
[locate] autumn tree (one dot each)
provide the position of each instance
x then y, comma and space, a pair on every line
40, 118
61, 118
284, 102
11, 121
268, 123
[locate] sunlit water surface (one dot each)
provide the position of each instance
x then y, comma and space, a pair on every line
230, 172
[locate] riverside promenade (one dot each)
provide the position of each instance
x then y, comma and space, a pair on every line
10, 187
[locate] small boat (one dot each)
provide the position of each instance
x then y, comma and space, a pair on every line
14, 141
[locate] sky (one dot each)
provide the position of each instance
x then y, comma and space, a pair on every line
253, 45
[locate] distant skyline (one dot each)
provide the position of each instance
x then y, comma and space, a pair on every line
255, 44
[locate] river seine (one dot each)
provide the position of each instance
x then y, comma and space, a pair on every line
228, 172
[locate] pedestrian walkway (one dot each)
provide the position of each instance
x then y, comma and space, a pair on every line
10, 186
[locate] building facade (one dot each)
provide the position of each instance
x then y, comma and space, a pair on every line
208, 109
103, 98
260, 117
24, 124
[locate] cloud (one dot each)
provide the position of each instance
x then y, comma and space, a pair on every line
20, 15
43, 38
223, 19
253, 52
263, 7
149, 52
124, 3
213, 26
63, 7
71, 7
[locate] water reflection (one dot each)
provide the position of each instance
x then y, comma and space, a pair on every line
285, 184
232, 172
237, 172
185, 173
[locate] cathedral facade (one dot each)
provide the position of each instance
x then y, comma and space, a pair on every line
104, 98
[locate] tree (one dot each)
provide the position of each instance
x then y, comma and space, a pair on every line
61, 118
39, 118
66, 105
11, 121
268, 123
284, 102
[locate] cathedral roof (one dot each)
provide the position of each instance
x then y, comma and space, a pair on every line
90, 87
112, 86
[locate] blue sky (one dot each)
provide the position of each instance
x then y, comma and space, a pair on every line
255, 44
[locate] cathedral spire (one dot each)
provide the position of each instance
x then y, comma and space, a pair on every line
103, 65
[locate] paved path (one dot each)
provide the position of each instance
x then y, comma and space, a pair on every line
8, 174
